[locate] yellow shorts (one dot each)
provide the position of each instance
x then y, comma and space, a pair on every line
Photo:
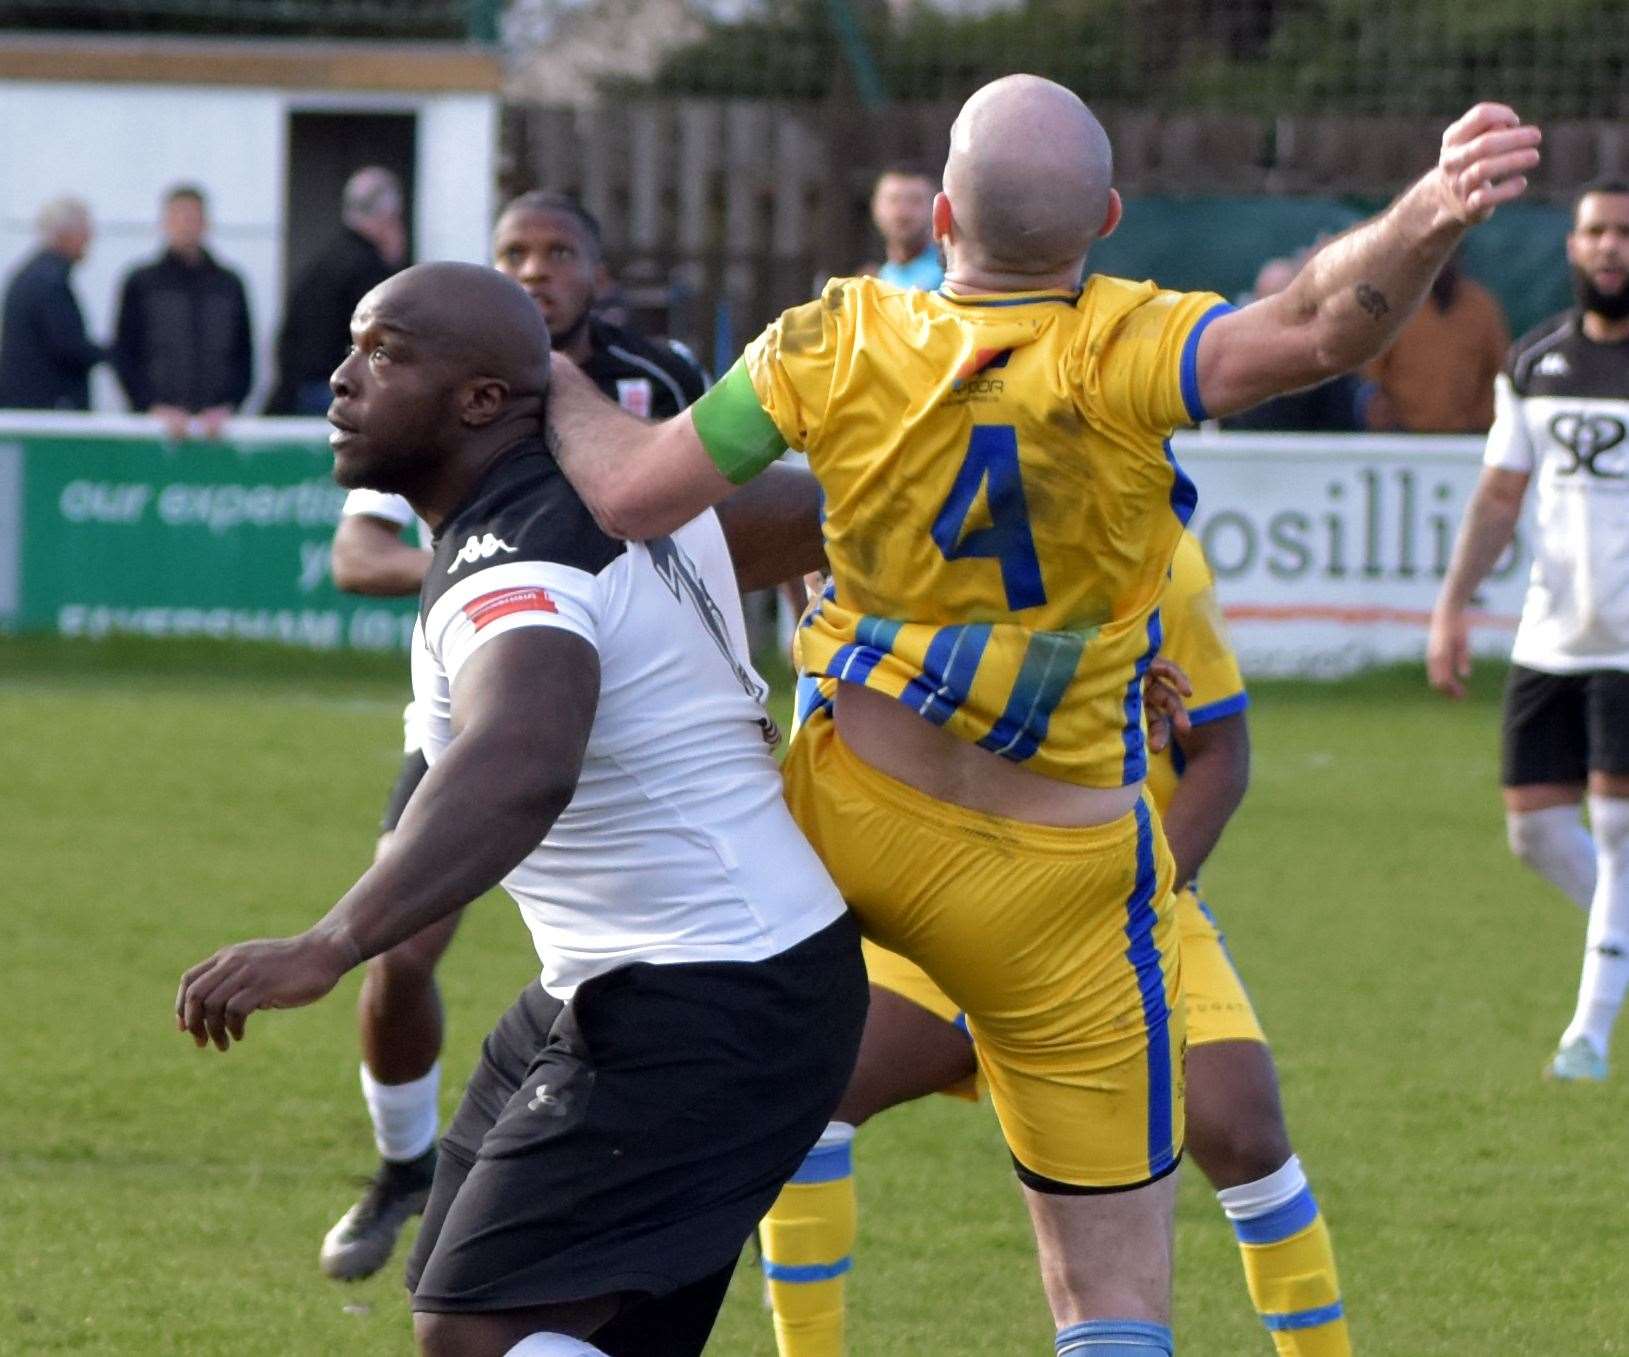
1218, 1007
1060, 946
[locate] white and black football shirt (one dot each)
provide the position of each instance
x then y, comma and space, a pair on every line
1562, 416
678, 845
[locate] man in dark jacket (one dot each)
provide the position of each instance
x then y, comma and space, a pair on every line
45, 354
317, 315
182, 346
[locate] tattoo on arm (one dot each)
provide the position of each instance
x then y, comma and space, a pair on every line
1372, 300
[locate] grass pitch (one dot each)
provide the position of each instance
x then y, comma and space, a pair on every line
160, 800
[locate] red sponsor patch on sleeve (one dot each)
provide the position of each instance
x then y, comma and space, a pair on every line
490, 607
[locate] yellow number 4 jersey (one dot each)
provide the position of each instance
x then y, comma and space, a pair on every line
1001, 501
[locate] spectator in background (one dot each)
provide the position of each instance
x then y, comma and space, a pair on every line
182, 346
370, 246
1335, 406
1437, 377
551, 245
902, 209
45, 354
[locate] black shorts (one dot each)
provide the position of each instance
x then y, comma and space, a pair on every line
1561, 727
629, 1141
414, 767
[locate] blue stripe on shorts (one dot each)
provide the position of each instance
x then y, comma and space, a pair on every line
1144, 955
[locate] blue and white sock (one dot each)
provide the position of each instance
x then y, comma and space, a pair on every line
1289, 1262
1115, 1338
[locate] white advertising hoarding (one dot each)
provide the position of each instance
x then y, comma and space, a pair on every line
1329, 549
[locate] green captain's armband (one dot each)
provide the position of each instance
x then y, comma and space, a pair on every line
740, 438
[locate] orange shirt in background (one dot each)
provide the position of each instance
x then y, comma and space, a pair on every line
1437, 377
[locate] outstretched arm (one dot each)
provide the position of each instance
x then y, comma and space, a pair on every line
1489, 526
1353, 295
523, 705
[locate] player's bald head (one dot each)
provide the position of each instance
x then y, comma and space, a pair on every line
474, 319
1029, 175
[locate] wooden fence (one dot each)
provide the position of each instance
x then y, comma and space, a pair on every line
739, 209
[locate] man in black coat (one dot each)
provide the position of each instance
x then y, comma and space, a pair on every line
317, 315
182, 345
45, 354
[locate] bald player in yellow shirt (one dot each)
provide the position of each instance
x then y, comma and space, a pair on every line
916, 1044
1002, 509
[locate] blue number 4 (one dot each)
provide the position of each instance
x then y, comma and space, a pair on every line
992, 461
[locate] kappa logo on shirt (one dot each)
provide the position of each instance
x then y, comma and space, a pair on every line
478, 549
1553, 365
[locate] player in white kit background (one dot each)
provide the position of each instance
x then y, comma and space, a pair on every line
1561, 432
596, 743
551, 246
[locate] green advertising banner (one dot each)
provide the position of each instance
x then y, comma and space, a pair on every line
107, 530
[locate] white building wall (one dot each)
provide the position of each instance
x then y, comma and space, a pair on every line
119, 147
457, 178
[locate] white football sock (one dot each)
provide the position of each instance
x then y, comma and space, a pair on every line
1247, 1201
1606, 944
1555, 844
553, 1345
404, 1115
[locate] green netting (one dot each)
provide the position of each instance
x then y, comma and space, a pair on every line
1556, 59
1220, 243
1214, 243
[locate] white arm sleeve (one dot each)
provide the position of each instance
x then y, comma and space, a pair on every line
1510, 448
505, 598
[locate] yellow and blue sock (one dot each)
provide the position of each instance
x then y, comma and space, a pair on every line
808, 1244
1114, 1338
1289, 1263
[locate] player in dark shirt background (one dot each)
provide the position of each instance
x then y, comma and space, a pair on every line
550, 245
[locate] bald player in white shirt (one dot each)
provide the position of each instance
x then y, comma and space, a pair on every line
597, 743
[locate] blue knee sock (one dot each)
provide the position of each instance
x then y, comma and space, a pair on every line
1114, 1338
